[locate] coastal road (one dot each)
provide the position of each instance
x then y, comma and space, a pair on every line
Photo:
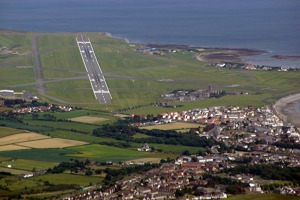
93, 69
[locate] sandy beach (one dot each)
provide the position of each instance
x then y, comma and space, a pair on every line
287, 109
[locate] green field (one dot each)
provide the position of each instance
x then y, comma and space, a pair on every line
63, 125
178, 149
69, 179
14, 171
79, 136
46, 155
106, 153
23, 126
28, 165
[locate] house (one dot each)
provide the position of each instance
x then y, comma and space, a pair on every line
145, 147
251, 67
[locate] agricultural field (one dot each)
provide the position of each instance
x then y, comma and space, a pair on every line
69, 179
5, 131
51, 143
21, 137
46, 155
13, 171
65, 125
12, 147
27, 165
89, 119
23, 126
79, 136
106, 153
173, 126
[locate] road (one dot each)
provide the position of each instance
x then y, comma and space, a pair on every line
93, 69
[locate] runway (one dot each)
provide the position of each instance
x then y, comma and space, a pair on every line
93, 69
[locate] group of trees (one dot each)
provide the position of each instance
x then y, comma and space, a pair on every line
72, 165
48, 117
287, 145
112, 175
268, 171
13, 102
125, 132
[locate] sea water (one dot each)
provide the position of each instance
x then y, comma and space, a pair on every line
271, 25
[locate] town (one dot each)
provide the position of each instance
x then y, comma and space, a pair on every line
258, 138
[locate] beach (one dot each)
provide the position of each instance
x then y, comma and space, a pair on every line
287, 109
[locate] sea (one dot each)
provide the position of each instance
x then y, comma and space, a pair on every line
271, 25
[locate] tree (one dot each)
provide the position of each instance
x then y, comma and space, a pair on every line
35, 116
186, 153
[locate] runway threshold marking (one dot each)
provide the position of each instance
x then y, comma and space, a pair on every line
103, 79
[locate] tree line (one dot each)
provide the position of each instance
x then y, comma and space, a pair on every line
125, 132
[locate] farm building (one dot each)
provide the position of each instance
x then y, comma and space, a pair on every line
145, 147
7, 93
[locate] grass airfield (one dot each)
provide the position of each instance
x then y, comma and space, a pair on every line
134, 78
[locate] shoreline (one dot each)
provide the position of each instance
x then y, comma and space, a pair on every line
282, 103
221, 54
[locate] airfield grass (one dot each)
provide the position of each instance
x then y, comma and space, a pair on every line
264, 197
28, 165
72, 114
15, 42
63, 58
69, 179
21, 60
104, 153
129, 93
240, 100
135, 75
55, 75
6, 131
55, 41
11, 76
72, 91
113, 58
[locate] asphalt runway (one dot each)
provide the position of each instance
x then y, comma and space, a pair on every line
93, 69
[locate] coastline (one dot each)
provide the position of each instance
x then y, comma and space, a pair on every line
281, 104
